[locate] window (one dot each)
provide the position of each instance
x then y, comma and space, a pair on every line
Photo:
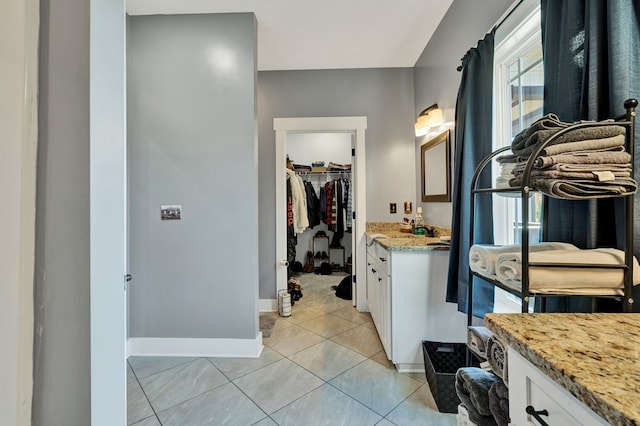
518, 99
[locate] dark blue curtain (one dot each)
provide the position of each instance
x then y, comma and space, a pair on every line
591, 51
473, 143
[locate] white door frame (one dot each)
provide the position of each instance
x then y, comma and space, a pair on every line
357, 126
19, 20
108, 210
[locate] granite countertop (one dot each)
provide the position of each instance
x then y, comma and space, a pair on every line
596, 357
389, 236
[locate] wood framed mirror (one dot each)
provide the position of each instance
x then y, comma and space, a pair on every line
435, 160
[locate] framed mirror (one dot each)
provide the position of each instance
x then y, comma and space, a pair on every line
435, 160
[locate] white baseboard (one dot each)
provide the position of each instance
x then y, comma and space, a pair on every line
268, 305
228, 348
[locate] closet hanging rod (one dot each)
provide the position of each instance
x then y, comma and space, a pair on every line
325, 173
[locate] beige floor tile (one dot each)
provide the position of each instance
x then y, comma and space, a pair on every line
327, 406
277, 385
360, 339
237, 367
291, 340
381, 357
379, 388
327, 359
420, 408
328, 325
350, 313
302, 313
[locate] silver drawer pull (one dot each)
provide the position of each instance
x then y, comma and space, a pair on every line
536, 414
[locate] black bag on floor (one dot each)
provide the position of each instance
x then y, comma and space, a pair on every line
344, 290
324, 269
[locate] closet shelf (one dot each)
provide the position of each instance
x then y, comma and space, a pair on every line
524, 291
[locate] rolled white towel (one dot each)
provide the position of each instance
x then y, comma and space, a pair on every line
482, 258
567, 280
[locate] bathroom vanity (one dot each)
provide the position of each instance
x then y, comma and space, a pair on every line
406, 288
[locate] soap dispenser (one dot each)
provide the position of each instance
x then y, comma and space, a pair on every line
419, 221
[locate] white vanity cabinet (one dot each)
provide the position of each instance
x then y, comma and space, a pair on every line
406, 295
530, 387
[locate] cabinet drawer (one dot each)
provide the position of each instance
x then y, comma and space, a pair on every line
383, 257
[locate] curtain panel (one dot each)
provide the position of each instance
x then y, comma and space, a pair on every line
473, 133
591, 52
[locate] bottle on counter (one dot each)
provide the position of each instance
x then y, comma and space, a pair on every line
419, 220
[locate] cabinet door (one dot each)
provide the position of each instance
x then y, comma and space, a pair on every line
528, 386
385, 314
372, 289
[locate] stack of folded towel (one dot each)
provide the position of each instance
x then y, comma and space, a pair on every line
504, 264
585, 162
585, 281
472, 387
482, 258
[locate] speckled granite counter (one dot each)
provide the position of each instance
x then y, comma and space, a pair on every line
596, 357
396, 240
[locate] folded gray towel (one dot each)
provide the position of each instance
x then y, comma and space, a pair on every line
608, 157
546, 122
614, 143
580, 134
477, 337
497, 358
472, 387
499, 403
580, 175
584, 189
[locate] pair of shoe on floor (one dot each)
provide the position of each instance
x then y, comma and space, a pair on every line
322, 255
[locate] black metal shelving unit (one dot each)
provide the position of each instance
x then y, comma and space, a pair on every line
628, 121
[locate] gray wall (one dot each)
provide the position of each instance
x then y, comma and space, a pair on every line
62, 393
436, 79
384, 96
192, 141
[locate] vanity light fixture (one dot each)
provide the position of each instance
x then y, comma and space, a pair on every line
430, 117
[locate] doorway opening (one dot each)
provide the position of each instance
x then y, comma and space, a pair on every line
289, 130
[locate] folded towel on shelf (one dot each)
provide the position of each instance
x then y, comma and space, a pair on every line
588, 158
588, 176
567, 280
499, 403
482, 258
580, 189
477, 337
614, 143
497, 358
472, 387
536, 139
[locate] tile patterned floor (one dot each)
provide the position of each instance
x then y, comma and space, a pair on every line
324, 365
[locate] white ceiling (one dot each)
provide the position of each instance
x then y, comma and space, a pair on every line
325, 34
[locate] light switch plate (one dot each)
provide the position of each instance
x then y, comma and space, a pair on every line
171, 212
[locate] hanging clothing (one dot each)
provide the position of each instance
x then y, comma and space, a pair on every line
322, 205
348, 195
299, 202
328, 188
292, 240
312, 205
339, 230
